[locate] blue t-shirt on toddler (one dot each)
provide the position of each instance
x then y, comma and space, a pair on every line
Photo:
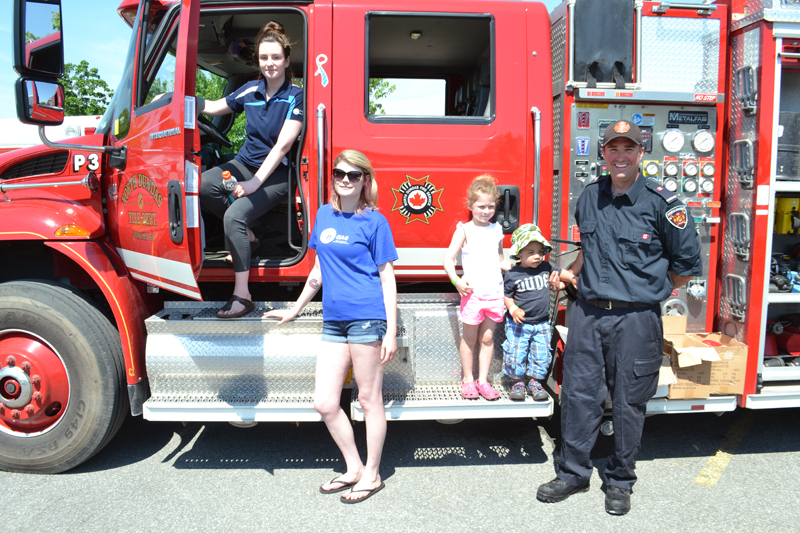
350, 248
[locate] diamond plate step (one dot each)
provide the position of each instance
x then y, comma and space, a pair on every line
444, 402
202, 368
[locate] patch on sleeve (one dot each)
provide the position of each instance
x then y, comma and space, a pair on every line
677, 217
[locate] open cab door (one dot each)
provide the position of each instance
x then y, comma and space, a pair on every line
153, 184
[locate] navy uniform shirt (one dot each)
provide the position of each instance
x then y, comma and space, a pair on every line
631, 242
265, 118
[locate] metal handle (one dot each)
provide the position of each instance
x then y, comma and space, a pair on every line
789, 55
320, 152
702, 9
175, 199
91, 182
537, 147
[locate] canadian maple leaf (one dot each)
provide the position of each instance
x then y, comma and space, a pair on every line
417, 199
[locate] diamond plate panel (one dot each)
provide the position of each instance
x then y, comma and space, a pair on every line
771, 10
694, 41
745, 51
436, 339
558, 54
235, 369
193, 357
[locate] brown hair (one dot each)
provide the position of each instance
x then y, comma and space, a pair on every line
369, 191
274, 32
483, 184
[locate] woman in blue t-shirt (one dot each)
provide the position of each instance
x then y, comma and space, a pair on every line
274, 111
355, 251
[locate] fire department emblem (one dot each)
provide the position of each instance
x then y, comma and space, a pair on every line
417, 199
622, 127
677, 217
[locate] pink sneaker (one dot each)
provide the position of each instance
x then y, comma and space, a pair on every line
487, 391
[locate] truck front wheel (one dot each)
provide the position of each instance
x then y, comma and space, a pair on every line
62, 386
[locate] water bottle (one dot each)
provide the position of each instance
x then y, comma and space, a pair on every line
229, 182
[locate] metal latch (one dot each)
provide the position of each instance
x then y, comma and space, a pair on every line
743, 162
739, 227
745, 81
736, 296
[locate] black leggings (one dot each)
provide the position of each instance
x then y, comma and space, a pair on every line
237, 216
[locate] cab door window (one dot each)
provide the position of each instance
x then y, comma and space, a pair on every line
430, 68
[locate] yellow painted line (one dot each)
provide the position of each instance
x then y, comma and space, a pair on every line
22, 233
716, 465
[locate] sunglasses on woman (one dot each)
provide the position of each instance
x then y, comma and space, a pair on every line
354, 176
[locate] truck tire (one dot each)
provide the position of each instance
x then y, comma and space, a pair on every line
62, 378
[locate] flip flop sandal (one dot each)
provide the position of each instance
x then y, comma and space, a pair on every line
369, 492
248, 306
344, 486
487, 391
469, 390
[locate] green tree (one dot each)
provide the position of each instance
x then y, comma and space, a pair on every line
55, 20
212, 87
29, 37
378, 88
86, 92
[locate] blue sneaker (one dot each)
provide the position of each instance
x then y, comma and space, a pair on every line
537, 392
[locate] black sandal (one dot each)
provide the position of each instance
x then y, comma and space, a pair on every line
248, 306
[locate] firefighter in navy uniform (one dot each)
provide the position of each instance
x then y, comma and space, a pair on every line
638, 244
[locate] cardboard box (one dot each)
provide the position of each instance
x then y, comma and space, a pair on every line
701, 370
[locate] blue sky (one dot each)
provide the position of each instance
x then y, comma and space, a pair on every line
92, 31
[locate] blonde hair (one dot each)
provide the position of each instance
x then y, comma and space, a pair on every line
483, 184
369, 189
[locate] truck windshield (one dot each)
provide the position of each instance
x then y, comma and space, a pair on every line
117, 118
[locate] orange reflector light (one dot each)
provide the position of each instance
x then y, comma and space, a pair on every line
714, 204
71, 230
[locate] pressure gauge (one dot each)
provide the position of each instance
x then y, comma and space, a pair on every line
703, 141
690, 169
651, 168
708, 169
673, 140
671, 185
690, 185
707, 186
671, 169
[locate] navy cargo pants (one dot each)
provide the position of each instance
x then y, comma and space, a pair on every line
618, 350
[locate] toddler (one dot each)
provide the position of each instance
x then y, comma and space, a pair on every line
526, 350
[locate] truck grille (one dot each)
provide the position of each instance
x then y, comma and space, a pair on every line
44, 164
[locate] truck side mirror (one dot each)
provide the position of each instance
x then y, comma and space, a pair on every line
38, 47
40, 102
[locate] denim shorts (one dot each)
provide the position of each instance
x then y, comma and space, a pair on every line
353, 331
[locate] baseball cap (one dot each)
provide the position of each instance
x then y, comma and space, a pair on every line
524, 235
623, 128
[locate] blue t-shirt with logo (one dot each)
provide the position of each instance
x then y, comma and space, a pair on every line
350, 248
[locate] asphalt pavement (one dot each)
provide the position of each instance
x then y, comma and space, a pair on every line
697, 472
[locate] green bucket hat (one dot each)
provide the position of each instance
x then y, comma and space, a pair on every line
524, 235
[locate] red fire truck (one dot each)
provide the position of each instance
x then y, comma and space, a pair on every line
110, 269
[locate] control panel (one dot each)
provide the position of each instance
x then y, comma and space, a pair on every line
681, 147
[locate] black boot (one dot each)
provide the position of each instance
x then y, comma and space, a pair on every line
558, 490
618, 500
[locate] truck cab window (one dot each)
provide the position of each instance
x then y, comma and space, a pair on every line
430, 68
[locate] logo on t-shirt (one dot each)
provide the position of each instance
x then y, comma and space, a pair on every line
327, 236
